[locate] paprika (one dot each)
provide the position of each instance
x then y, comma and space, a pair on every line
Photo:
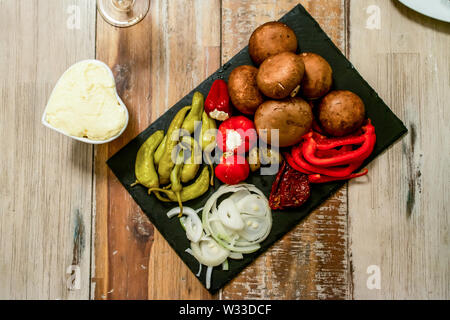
217, 104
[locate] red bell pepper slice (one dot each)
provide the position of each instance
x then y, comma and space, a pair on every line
310, 147
290, 160
333, 152
325, 143
318, 178
328, 171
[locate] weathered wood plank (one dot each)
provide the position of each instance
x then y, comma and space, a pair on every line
185, 51
399, 218
46, 178
155, 63
123, 235
311, 262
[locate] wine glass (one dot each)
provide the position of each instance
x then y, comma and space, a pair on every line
123, 13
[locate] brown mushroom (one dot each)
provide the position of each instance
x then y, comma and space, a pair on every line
280, 75
270, 39
341, 112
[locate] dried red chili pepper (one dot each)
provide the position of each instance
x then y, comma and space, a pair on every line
290, 189
310, 147
217, 103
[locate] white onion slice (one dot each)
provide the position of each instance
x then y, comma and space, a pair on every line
225, 265
230, 216
236, 255
192, 223
213, 198
205, 237
174, 211
238, 244
235, 197
209, 253
252, 204
194, 228
229, 230
222, 232
208, 277
240, 249
198, 210
218, 228
183, 222
189, 250
199, 270
255, 228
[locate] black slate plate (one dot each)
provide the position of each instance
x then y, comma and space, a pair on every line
311, 39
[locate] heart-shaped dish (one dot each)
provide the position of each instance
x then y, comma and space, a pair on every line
86, 140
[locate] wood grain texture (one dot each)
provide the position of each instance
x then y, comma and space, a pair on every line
185, 49
155, 63
399, 219
311, 261
46, 178
123, 235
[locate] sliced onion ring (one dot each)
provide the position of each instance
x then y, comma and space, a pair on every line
236, 255
252, 204
256, 228
208, 277
192, 223
230, 216
239, 244
209, 253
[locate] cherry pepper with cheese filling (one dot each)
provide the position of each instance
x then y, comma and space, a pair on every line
217, 103
232, 169
237, 134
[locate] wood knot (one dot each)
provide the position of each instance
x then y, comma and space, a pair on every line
122, 74
142, 227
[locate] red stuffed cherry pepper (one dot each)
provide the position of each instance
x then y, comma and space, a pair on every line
217, 103
237, 134
232, 169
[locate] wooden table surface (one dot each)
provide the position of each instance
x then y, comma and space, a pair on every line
69, 230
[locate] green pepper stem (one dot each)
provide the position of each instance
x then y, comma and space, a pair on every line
209, 161
161, 198
156, 191
134, 184
180, 204
211, 182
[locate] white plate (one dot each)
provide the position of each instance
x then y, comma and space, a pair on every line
48, 125
438, 9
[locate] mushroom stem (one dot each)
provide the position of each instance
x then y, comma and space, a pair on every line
295, 91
